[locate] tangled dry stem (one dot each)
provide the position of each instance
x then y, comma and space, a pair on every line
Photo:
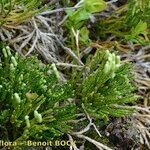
40, 34
80, 134
141, 119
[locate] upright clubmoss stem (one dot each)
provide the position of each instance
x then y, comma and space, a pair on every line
55, 71
14, 61
38, 116
17, 98
4, 52
27, 121
8, 50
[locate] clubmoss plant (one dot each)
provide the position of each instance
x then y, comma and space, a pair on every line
35, 104
106, 84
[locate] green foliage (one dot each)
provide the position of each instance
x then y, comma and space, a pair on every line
14, 12
33, 103
94, 6
106, 85
139, 29
131, 25
78, 17
84, 36
137, 10
137, 19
